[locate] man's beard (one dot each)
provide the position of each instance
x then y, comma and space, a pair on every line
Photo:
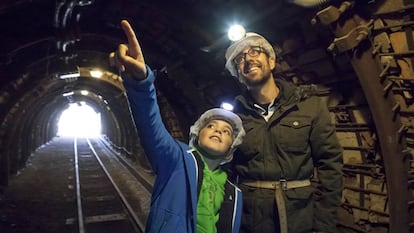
257, 82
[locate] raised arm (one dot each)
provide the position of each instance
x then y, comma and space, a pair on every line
138, 79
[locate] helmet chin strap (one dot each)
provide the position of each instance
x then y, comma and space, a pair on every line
228, 158
246, 68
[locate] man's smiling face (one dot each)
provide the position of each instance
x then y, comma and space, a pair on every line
254, 70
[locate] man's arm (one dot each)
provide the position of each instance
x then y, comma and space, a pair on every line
328, 160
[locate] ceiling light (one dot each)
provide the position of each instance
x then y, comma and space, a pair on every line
68, 71
96, 73
236, 32
68, 93
227, 106
69, 75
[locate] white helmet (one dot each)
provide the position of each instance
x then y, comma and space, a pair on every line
249, 39
219, 114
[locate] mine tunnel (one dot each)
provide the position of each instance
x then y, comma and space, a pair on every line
359, 55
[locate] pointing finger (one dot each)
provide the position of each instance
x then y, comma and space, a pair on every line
133, 44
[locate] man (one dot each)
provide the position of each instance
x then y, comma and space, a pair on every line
191, 193
288, 134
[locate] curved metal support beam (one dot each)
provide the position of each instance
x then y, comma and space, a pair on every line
387, 125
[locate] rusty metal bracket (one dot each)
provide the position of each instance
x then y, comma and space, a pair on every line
351, 39
330, 14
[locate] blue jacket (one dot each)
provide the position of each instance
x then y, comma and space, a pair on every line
178, 169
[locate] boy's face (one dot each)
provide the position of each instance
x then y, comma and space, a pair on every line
216, 138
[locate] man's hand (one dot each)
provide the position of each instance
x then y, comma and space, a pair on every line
128, 58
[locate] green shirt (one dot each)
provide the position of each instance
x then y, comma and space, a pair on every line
210, 199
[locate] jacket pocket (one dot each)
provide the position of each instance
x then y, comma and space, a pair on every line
293, 134
299, 209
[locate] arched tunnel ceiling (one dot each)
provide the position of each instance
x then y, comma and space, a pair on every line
41, 37
184, 40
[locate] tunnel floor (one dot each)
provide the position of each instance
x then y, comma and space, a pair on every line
41, 197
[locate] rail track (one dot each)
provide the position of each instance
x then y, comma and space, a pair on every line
111, 195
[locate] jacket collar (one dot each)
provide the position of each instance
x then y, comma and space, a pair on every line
231, 194
289, 94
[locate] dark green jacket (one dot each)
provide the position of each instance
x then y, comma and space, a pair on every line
297, 138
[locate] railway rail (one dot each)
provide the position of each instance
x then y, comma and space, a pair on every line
109, 190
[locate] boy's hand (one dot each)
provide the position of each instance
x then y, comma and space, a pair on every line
128, 58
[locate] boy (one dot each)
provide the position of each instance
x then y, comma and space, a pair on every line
191, 192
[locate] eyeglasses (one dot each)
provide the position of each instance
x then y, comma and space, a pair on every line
252, 52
